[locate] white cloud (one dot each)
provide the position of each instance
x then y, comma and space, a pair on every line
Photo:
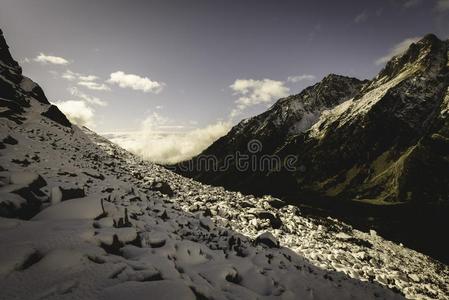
136, 82
87, 77
92, 85
234, 113
25, 60
50, 59
397, 49
77, 111
87, 98
80, 110
298, 78
252, 92
442, 5
361, 17
87, 81
411, 3
69, 75
153, 144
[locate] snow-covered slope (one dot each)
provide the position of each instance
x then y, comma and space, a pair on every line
85, 219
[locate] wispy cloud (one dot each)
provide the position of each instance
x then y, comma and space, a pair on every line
442, 5
92, 85
69, 75
361, 17
397, 49
136, 82
50, 59
88, 77
87, 81
299, 78
87, 98
411, 3
80, 110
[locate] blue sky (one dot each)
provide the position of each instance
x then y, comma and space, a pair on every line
165, 67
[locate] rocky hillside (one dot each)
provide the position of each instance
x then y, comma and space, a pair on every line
83, 219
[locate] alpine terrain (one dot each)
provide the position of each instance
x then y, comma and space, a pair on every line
82, 218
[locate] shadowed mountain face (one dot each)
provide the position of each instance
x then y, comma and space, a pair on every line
16, 89
371, 149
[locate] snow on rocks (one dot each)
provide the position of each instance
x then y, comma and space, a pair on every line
84, 208
166, 289
268, 240
126, 237
24, 178
56, 195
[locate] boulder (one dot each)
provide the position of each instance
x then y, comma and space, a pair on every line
162, 187
267, 239
54, 114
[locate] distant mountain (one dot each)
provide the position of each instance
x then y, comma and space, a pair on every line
81, 218
287, 118
378, 142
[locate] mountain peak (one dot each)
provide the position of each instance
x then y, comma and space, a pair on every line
429, 53
5, 55
333, 77
430, 38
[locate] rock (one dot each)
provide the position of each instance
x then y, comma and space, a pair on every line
246, 204
162, 187
105, 222
156, 240
414, 277
275, 221
94, 175
5, 55
268, 240
206, 223
54, 114
343, 236
72, 193
56, 195
10, 140
27, 178
27, 185
276, 203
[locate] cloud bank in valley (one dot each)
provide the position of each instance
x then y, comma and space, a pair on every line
157, 142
